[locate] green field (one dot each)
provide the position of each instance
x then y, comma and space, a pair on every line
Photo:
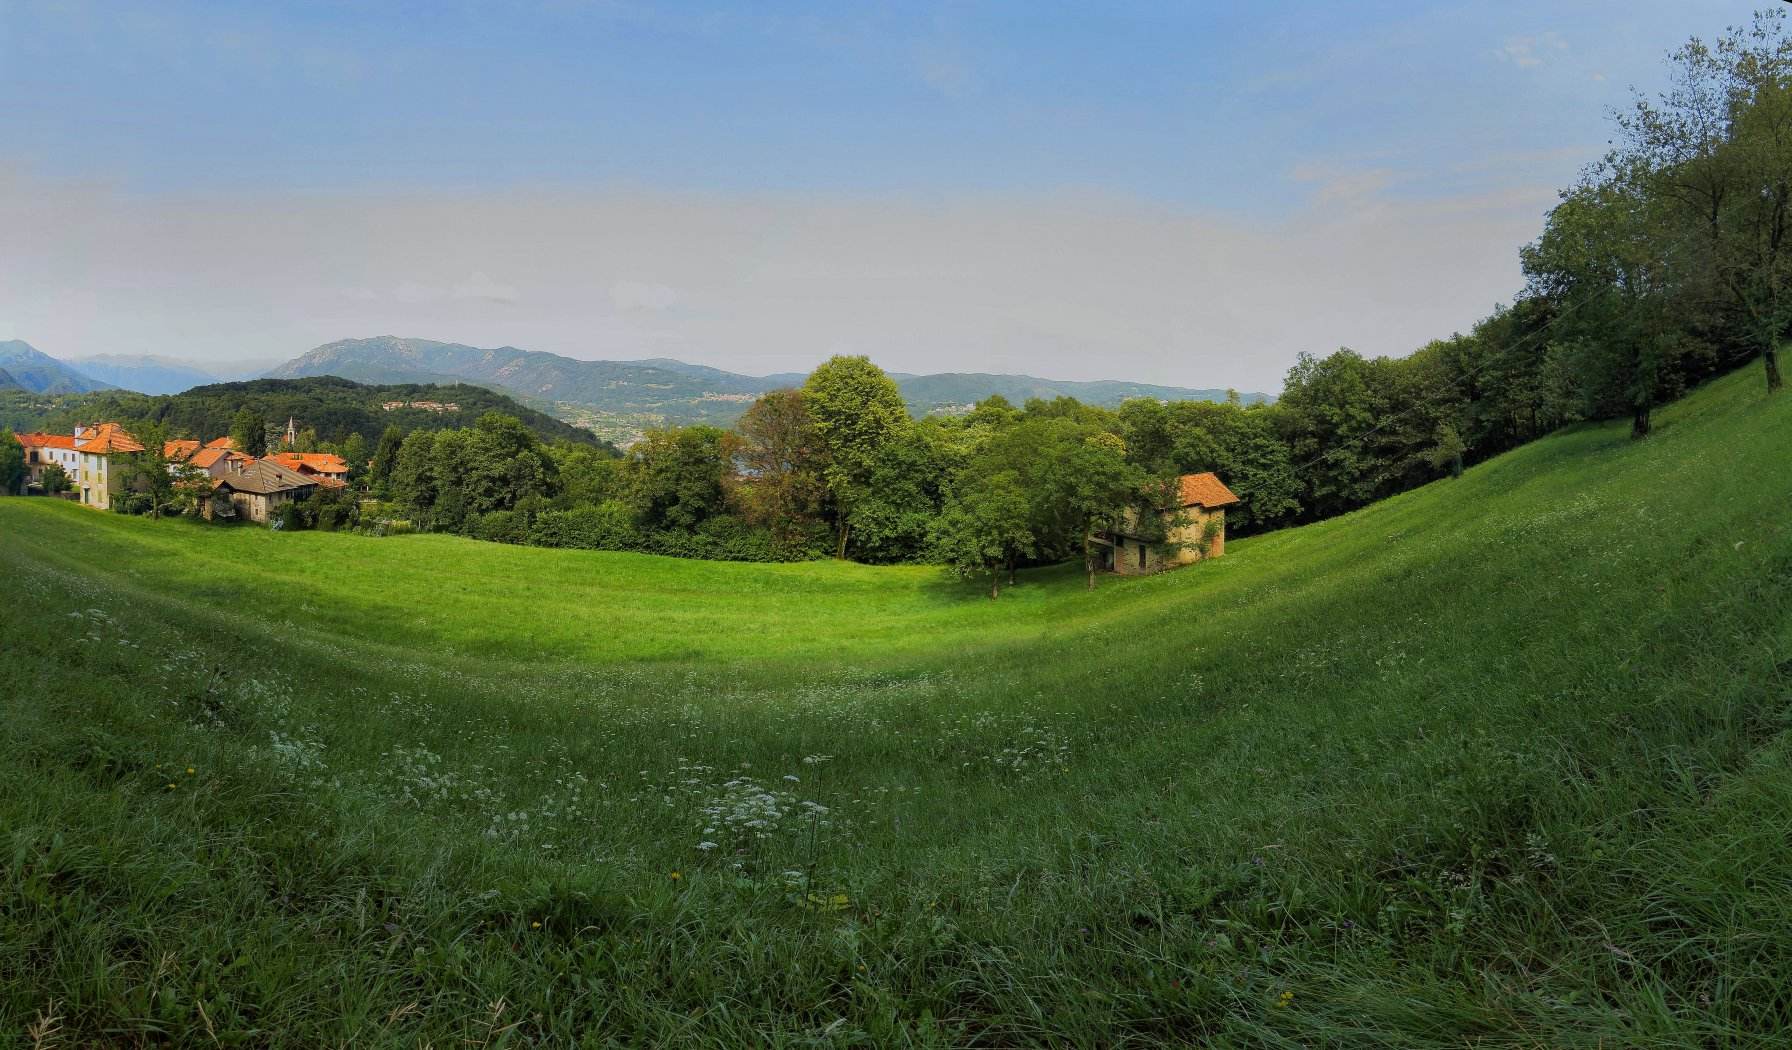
1501, 761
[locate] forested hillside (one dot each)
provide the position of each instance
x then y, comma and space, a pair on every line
332, 408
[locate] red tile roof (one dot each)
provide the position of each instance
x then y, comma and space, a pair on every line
222, 442
207, 457
179, 449
36, 440
311, 462
1205, 490
107, 438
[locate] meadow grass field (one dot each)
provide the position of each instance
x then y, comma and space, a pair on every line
1501, 761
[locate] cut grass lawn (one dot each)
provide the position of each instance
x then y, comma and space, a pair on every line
1499, 761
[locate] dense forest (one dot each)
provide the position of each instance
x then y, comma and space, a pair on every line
332, 408
1665, 263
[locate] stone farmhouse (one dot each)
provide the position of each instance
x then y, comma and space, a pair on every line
1201, 502
253, 489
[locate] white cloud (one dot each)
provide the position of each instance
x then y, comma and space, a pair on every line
1527, 52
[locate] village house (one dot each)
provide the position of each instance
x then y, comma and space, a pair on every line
1201, 502
43, 451
93, 457
179, 450
253, 489
327, 469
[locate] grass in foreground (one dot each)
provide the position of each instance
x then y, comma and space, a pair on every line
1503, 760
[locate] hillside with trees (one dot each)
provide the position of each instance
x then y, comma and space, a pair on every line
329, 407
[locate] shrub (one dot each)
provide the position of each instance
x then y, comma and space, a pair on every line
607, 527
502, 526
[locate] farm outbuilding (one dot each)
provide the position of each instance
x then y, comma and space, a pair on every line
1192, 530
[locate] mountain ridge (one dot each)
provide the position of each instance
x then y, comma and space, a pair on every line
620, 398
33, 370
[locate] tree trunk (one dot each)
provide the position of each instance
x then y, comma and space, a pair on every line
1639, 423
1770, 358
995, 585
1089, 559
840, 551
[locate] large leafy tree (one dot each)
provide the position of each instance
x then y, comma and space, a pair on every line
678, 478
385, 458
1607, 259
413, 481
249, 432
1717, 150
145, 475
353, 451
856, 410
12, 464
783, 467
985, 528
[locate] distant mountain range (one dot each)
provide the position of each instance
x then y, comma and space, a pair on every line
618, 399
31, 369
151, 374
615, 399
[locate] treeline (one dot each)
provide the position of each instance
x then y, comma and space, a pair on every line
331, 408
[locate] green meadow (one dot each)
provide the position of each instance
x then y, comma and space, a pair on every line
1500, 761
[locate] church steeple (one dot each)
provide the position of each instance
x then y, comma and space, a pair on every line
292, 435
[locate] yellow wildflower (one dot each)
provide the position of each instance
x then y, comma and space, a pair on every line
675, 876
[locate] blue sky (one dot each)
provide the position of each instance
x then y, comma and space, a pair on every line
593, 164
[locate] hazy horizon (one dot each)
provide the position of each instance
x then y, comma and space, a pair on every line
1184, 197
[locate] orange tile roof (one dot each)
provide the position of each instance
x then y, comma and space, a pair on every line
321, 462
222, 442
206, 457
179, 448
1205, 490
107, 438
36, 440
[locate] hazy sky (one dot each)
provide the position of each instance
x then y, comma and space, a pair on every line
1182, 193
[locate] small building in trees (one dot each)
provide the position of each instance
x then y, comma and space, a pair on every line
254, 489
1192, 529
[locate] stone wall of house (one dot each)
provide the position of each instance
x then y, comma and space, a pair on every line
1126, 549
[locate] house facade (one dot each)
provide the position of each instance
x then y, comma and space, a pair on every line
43, 451
104, 449
1192, 530
253, 489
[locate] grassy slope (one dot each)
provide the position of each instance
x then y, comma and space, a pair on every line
1502, 759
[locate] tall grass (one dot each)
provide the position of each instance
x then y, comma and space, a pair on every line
1502, 761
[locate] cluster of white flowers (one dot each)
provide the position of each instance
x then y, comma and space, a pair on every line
1037, 751
743, 812
300, 752
418, 774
